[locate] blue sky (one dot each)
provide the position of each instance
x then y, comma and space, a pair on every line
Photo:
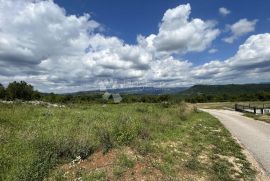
76, 45
126, 19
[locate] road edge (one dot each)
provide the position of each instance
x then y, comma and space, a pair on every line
261, 174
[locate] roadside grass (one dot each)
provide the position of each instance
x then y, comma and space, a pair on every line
265, 118
230, 105
117, 142
216, 105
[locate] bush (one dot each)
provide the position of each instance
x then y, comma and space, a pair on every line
105, 140
19, 90
144, 147
125, 130
182, 112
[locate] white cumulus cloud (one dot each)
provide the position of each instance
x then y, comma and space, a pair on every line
240, 28
213, 50
224, 11
43, 45
251, 60
178, 33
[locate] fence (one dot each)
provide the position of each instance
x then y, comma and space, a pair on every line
252, 109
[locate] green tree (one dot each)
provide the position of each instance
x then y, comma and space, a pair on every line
20, 90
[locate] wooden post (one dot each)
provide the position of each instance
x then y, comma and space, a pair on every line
254, 110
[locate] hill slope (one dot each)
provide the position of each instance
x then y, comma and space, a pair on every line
230, 92
235, 89
137, 90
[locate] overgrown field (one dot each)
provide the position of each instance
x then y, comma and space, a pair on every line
116, 142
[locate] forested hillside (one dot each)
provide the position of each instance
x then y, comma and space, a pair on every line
230, 92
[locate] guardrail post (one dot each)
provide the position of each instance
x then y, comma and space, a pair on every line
254, 110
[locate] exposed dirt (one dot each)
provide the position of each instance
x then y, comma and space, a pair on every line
108, 162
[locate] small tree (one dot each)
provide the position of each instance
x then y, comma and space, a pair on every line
20, 90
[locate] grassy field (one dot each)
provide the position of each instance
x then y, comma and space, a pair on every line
117, 142
230, 105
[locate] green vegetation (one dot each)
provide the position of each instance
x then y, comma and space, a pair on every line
19, 90
231, 105
116, 142
230, 92
216, 105
265, 118
24, 91
195, 94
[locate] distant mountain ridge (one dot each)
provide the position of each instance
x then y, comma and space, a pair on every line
136, 90
196, 90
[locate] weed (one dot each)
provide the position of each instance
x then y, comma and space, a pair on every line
144, 147
95, 176
193, 163
105, 140
125, 161
125, 130
118, 172
222, 170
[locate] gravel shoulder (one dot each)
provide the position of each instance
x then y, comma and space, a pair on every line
252, 135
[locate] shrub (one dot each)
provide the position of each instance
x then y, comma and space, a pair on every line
20, 90
125, 130
144, 147
105, 140
144, 134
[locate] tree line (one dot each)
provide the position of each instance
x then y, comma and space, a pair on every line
24, 91
18, 90
229, 92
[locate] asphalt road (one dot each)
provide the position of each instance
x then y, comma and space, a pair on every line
254, 135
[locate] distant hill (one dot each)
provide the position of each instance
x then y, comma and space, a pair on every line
229, 92
235, 89
137, 90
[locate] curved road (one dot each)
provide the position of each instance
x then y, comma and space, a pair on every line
254, 135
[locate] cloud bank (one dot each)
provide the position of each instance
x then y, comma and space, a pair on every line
55, 51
